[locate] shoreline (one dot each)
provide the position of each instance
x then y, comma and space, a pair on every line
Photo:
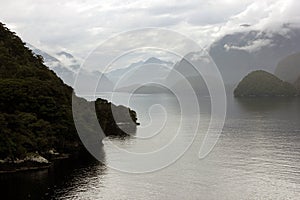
24, 166
25, 169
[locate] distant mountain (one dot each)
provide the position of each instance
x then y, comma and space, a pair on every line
288, 69
67, 67
186, 67
68, 60
198, 85
144, 89
64, 72
47, 58
263, 84
237, 54
151, 70
297, 85
63, 53
87, 83
189, 72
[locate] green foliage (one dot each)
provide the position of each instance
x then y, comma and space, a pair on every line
35, 105
120, 114
261, 83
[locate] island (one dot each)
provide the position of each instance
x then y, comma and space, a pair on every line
264, 84
36, 120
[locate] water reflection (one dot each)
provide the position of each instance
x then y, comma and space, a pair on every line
265, 104
256, 157
42, 184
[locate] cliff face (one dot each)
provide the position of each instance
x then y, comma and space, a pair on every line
261, 83
36, 106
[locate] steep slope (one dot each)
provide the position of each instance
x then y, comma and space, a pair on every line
192, 67
261, 84
36, 106
288, 69
66, 73
144, 89
67, 67
297, 85
238, 54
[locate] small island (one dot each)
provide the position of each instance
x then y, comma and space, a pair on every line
263, 84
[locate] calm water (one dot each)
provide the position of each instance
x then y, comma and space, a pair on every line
257, 157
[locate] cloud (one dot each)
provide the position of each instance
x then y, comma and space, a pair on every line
266, 15
78, 26
251, 46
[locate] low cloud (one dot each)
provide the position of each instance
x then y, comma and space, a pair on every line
251, 46
78, 26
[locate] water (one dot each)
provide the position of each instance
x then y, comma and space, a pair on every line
257, 157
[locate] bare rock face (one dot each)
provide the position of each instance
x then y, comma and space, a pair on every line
36, 158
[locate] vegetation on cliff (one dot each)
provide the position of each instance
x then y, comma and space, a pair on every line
36, 106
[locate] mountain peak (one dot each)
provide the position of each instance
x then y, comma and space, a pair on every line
154, 60
47, 57
63, 53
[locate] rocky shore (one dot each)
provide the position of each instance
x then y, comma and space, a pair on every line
32, 161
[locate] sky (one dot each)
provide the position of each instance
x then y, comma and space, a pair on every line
79, 26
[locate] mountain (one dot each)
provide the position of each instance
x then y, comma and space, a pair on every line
239, 53
67, 55
62, 58
235, 55
189, 72
47, 58
261, 84
197, 83
150, 70
36, 107
297, 85
89, 83
67, 67
288, 69
68, 60
66, 73
144, 89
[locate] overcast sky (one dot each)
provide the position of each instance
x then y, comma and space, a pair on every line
78, 26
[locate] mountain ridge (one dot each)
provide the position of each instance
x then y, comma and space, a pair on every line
36, 106
288, 68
